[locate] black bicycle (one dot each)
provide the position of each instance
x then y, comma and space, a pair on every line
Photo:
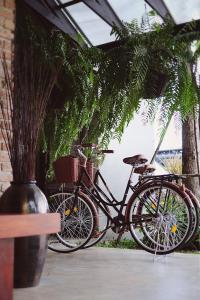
159, 214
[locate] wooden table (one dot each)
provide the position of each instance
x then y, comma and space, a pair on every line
12, 226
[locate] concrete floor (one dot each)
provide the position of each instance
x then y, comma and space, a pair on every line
115, 274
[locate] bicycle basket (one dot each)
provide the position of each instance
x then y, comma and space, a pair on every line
90, 171
66, 169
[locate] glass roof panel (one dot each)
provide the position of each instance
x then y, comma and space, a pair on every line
97, 30
127, 10
184, 11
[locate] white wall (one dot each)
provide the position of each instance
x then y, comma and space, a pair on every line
137, 139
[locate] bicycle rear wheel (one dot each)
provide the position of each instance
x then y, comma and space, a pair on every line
195, 218
159, 216
102, 225
78, 220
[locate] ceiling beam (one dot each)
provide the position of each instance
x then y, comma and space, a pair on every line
160, 7
46, 8
67, 14
193, 28
72, 2
104, 10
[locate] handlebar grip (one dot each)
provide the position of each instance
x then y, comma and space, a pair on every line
89, 145
107, 151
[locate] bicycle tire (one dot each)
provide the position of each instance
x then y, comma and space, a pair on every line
160, 235
195, 218
101, 229
74, 232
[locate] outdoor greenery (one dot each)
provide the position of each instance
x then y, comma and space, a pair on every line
123, 244
98, 92
131, 244
173, 165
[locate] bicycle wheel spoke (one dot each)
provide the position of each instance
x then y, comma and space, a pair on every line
77, 222
169, 226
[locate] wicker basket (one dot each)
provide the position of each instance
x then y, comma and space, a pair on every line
66, 169
90, 170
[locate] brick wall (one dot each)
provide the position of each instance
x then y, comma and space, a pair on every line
7, 26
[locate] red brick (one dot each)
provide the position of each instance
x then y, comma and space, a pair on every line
3, 146
4, 156
5, 176
6, 34
4, 186
9, 4
6, 167
7, 44
7, 13
9, 24
2, 21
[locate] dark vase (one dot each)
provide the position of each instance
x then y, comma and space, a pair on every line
30, 252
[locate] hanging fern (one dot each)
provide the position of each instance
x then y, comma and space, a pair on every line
100, 91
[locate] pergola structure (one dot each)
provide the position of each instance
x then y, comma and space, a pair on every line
93, 19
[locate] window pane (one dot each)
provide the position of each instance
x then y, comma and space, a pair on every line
184, 11
97, 30
127, 10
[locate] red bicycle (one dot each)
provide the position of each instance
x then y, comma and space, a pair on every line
159, 215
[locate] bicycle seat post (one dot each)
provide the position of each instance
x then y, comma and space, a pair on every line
131, 174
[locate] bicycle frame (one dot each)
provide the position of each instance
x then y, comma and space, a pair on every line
99, 197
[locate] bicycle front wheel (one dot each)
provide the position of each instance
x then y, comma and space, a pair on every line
159, 216
102, 225
78, 220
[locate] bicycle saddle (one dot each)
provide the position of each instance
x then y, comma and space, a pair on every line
135, 160
145, 169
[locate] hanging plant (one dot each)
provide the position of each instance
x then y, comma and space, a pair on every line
97, 92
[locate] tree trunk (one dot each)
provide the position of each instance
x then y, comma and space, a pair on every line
191, 146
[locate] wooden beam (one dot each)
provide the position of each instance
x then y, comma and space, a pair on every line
46, 9
67, 4
105, 11
6, 267
69, 16
194, 28
160, 7
13, 226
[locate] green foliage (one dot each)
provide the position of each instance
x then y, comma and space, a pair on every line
101, 90
123, 244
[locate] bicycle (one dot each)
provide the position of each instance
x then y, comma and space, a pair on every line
151, 214
194, 202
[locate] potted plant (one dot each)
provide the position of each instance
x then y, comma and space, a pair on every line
28, 88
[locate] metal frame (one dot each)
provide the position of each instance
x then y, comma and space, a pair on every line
104, 10
69, 16
57, 14
47, 10
160, 7
101, 7
101, 199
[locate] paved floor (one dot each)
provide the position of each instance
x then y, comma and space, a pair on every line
115, 274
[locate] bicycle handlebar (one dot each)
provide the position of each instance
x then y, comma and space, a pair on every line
94, 146
107, 151
78, 150
88, 145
